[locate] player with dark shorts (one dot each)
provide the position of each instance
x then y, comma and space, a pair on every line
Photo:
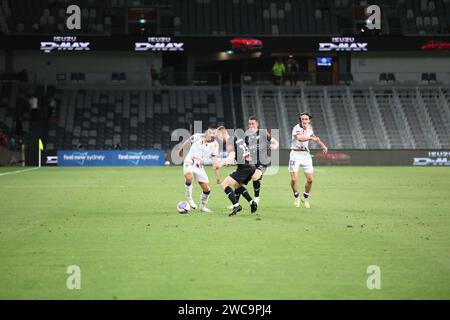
259, 143
239, 153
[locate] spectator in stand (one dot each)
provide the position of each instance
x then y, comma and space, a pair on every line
51, 107
163, 77
20, 142
278, 71
293, 69
155, 76
34, 106
12, 144
3, 138
21, 106
23, 76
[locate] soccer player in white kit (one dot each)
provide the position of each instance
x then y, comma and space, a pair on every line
300, 157
204, 147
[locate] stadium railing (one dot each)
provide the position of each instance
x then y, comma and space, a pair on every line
140, 80
354, 78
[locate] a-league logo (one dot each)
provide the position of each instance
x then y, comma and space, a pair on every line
73, 22
373, 14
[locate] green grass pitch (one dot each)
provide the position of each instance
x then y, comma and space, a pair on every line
121, 227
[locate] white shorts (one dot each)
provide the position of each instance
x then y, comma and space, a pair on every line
300, 159
198, 172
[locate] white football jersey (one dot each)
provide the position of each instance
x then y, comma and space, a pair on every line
298, 130
201, 150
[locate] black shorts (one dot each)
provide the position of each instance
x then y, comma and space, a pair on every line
243, 174
261, 167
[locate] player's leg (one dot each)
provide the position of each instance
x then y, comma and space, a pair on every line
256, 179
227, 185
309, 175
189, 177
202, 178
293, 170
244, 176
244, 192
206, 191
294, 177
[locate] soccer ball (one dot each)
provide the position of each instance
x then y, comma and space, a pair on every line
183, 207
167, 163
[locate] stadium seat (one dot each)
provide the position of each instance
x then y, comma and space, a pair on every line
391, 78
383, 78
432, 78
409, 13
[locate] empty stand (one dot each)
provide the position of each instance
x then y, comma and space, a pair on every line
357, 117
133, 119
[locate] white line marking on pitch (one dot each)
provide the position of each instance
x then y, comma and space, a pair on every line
18, 171
70, 186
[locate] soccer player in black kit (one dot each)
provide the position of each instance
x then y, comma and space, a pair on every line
239, 152
259, 143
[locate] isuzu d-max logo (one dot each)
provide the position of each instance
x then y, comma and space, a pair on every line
64, 44
159, 44
433, 158
343, 44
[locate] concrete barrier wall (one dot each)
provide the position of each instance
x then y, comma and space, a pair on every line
10, 158
429, 157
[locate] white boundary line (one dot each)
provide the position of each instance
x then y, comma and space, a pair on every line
19, 171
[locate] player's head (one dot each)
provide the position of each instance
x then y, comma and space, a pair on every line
211, 133
305, 119
253, 123
222, 134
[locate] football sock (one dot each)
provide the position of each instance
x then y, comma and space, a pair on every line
257, 187
188, 190
230, 194
296, 195
305, 195
204, 198
244, 192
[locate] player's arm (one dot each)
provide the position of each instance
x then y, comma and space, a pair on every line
317, 140
231, 156
216, 165
302, 138
228, 160
274, 144
183, 145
